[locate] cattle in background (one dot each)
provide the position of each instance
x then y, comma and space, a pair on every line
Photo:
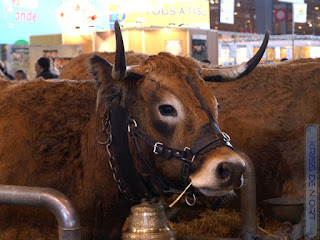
265, 113
49, 132
77, 68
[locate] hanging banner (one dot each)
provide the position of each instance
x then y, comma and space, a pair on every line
227, 11
280, 15
300, 12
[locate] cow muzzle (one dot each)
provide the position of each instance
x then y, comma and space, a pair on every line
220, 173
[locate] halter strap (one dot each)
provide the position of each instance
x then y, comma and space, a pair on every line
204, 140
204, 105
140, 177
210, 137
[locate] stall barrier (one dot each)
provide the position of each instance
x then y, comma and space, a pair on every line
50, 199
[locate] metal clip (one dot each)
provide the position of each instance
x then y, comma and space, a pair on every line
132, 121
155, 147
193, 157
226, 137
194, 200
100, 134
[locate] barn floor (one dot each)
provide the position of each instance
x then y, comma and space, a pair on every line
195, 238
220, 224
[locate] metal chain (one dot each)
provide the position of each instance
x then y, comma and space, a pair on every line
107, 141
106, 129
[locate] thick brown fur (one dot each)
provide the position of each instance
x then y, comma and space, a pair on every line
265, 114
48, 137
77, 68
161, 71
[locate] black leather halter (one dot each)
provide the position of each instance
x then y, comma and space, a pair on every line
140, 179
210, 137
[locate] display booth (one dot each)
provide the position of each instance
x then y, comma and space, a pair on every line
197, 43
235, 48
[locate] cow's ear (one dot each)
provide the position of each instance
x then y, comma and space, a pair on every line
100, 69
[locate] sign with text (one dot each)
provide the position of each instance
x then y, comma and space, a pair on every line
188, 13
312, 181
21, 18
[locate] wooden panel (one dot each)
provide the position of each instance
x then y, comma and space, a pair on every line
155, 40
135, 40
84, 40
54, 39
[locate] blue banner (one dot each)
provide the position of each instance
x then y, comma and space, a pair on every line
312, 181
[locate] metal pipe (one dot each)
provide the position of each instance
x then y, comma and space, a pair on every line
248, 201
48, 198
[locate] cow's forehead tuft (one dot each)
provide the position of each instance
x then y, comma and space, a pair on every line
170, 64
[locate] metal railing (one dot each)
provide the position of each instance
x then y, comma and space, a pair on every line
50, 199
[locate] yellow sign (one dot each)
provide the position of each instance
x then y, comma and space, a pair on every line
192, 13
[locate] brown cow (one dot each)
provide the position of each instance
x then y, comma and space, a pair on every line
49, 132
265, 114
77, 68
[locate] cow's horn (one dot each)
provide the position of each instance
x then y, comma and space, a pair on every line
120, 63
236, 72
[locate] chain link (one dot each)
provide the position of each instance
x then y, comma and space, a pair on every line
106, 129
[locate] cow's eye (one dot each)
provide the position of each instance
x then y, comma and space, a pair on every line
167, 110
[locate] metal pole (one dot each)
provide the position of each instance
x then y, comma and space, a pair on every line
235, 43
248, 201
48, 198
292, 33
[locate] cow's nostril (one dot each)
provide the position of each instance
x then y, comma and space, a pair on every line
224, 170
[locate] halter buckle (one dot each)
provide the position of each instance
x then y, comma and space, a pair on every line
155, 147
186, 149
226, 137
132, 121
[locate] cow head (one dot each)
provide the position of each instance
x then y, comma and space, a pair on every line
169, 99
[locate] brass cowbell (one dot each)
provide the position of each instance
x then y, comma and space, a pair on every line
148, 221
